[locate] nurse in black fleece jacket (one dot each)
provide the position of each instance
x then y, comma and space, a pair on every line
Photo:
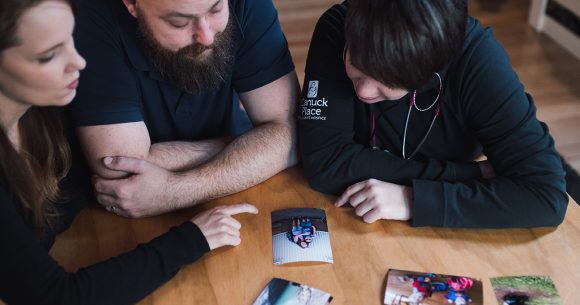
400, 97
39, 195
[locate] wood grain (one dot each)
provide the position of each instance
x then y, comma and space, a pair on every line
363, 253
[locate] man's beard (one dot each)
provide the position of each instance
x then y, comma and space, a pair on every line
190, 68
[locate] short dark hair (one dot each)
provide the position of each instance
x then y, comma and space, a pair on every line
402, 43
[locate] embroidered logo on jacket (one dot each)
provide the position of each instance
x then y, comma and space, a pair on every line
312, 107
312, 89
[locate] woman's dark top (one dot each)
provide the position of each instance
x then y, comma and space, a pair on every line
29, 275
484, 109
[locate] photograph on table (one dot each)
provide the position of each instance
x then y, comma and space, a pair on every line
525, 290
283, 292
420, 288
300, 235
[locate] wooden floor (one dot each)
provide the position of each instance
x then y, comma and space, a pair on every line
549, 73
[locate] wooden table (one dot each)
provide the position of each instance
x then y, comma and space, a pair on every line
362, 253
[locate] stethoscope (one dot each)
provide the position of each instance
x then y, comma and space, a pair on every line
412, 104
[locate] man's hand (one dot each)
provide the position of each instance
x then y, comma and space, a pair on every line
374, 199
219, 227
144, 192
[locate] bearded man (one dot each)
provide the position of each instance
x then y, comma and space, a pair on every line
157, 109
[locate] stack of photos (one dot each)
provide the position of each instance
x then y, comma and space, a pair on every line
283, 292
525, 290
418, 288
300, 235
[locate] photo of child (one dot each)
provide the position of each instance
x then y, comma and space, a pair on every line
283, 292
303, 231
418, 288
300, 235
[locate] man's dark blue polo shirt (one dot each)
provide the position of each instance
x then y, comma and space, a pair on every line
119, 85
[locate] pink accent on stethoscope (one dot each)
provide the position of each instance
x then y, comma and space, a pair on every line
412, 103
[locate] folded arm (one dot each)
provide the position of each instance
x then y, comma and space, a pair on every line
170, 175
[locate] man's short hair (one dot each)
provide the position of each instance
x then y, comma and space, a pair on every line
402, 43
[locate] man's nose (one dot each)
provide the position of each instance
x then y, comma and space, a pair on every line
203, 34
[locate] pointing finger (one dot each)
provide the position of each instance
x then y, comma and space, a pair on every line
239, 208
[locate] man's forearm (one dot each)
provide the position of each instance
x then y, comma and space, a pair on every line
180, 156
248, 160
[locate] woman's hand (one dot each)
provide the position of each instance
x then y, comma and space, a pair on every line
219, 227
374, 199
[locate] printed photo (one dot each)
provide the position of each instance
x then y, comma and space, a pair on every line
300, 235
525, 290
419, 288
283, 292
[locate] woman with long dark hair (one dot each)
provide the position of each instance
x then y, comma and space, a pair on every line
40, 175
